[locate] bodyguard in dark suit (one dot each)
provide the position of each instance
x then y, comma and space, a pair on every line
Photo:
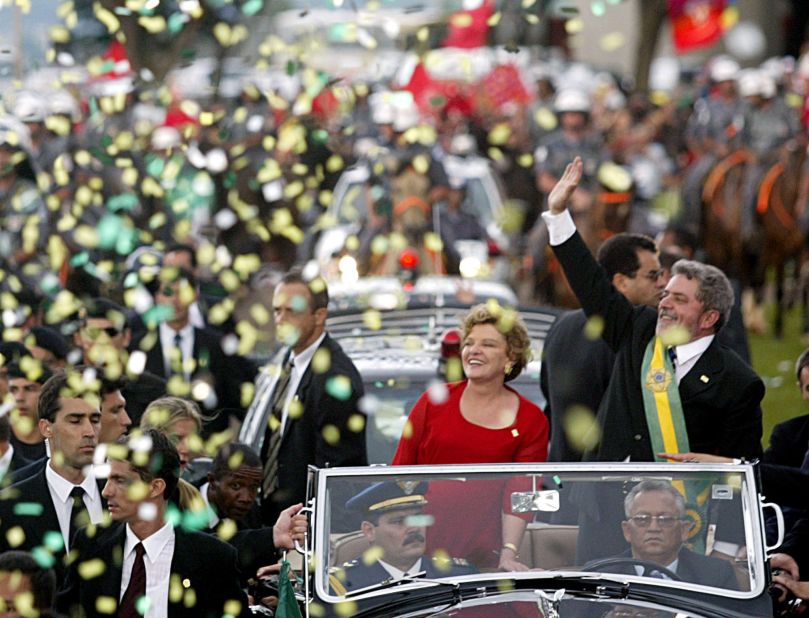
59, 498
183, 574
656, 528
720, 394
180, 351
576, 363
789, 441
311, 406
387, 509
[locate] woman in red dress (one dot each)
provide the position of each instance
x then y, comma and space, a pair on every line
478, 420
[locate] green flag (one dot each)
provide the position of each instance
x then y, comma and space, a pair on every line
287, 604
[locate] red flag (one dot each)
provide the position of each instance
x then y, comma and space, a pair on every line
427, 93
502, 85
696, 23
468, 28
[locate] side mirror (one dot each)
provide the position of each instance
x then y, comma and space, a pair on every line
535, 501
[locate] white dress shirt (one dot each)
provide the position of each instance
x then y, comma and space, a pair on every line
60, 488
157, 559
396, 573
167, 335
641, 570
301, 363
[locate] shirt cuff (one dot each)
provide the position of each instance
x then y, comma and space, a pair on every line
560, 227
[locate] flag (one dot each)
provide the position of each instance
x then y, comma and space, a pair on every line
287, 603
699, 23
469, 27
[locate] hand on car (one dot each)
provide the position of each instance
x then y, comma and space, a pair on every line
696, 457
786, 564
289, 528
510, 563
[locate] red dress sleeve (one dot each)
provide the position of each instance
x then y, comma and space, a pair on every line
533, 425
407, 453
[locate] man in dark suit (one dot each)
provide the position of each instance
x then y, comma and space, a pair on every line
388, 510
720, 394
180, 573
188, 355
311, 406
10, 458
656, 527
50, 505
789, 441
714, 394
103, 337
576, 362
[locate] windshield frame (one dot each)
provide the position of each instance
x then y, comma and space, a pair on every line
753, 518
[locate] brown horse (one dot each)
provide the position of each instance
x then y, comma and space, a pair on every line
778, 241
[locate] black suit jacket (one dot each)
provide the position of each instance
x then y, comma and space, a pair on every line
37, 519
225, 373
575, 371
691, 567
789, 442
357, 575
720, 395
303, 443
140, 392
201, 563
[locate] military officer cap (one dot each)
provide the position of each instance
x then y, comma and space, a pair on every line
389, 496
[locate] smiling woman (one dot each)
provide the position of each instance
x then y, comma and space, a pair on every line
478, 420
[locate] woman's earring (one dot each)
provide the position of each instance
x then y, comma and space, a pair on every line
507, 369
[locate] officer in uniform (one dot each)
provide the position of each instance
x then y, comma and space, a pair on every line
390, 512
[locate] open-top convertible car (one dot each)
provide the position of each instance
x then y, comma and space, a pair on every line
538, 540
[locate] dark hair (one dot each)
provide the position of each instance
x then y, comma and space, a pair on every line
13, 351
50, 339
619, 254
179, 247
109, 385
163, 461
43, 581
317, 287
669, 256
48, 404
225, 462
803, 361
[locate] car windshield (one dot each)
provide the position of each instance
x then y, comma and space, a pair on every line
660, 525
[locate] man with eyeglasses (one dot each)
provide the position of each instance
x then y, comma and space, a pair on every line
103, 337
576, 365
656, 528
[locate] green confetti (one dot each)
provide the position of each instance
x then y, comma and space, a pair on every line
53, 541
124, 201
176, 23
43, 557
339, 387
29, 509
251, 7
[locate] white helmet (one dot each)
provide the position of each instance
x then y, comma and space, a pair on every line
749, 82
724, 68
29, 107
571, 100
61, 103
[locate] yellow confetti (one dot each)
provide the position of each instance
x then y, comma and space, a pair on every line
675, 335
356, 423
226, 531
499, 134
153, 24
613, 41
346, 609
574, 26
106, 605
331, 434
321, 361
59, 34
372, 319
581, 428
90, 569
421, 164
494, 19
15, 536
594, 327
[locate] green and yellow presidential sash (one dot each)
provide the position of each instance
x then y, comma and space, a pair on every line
666, 423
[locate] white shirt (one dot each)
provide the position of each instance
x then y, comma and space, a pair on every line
157, 559
688, 354
641, 571
301, 363
60, 488
213, 518
396, 573
5, 460
561, 227
167, 335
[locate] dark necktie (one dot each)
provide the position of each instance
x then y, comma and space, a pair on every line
673, 356
273, 436
136, 587
176, 357
78, 513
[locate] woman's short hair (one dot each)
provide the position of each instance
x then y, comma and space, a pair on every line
512, 327
162, 413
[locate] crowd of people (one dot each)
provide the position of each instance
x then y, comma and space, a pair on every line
153, 294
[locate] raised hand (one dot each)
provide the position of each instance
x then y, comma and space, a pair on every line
563, 190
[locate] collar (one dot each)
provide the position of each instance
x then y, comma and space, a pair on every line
398, 574
213, 518
693, 349
62, 487
153, 544
303, 359
167, 331
5, 460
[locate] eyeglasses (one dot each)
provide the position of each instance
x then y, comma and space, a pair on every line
94, 332
653, 275
664, 521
